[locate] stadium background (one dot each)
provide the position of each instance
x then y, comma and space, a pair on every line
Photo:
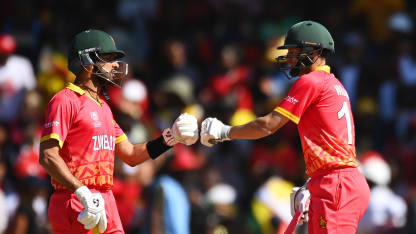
209, 58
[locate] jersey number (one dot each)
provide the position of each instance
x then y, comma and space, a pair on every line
344, 111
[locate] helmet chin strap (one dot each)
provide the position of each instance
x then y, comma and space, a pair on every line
102, 86
303, 62
104, 89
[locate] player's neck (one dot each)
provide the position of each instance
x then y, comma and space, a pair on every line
87, 84
319, 62
90, 85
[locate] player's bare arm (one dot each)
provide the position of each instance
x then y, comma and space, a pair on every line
260, 127
214, 131
132, 154
184, 130
53, 163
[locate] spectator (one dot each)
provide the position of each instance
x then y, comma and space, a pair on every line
16, 77
178, 63
173, 47
271, 205
229, 86
3, 206
387, 211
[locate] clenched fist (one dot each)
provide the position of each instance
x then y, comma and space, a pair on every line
185, 129
214, 131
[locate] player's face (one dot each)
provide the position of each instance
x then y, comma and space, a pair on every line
111, 69
291, 55
109, 62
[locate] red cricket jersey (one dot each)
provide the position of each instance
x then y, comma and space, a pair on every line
87, 134
320, 105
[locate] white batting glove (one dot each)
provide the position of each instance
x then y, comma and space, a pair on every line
185, 129
214, 131
93, 213
299, 200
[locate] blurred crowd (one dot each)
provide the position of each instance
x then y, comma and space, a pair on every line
211, 58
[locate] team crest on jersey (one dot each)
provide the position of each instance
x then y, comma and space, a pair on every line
94, 117
322, 222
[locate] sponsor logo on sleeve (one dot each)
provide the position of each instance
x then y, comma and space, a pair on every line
291, 99
51, 124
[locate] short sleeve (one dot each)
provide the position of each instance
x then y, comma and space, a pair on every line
120, 135
58, 116
301, 95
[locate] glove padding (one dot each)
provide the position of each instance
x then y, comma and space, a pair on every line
214, 131
299, 200
185, 129
93, 213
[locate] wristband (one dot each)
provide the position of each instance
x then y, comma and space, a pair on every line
157, 147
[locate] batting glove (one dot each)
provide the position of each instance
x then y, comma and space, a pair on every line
214, 131
93, 213
299, 200
185, 129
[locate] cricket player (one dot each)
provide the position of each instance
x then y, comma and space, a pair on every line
318, 103
80, 138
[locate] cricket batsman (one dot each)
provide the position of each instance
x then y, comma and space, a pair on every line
337, 193
80, 139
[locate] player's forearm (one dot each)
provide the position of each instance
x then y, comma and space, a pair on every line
57, 169
253, 130
140, 154
259, 128
132, 154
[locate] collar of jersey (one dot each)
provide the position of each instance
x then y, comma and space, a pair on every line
80, 91
325, 68
75, 88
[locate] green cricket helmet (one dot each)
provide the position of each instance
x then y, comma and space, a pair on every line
88, 48
310, 37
